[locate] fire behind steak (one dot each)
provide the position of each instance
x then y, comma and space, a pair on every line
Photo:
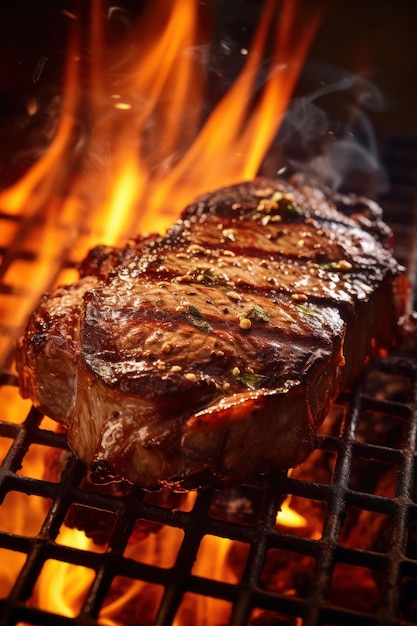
214, 352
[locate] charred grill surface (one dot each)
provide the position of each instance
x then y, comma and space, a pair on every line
216, 350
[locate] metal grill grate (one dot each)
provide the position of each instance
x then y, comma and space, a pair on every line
367, 475
358, 492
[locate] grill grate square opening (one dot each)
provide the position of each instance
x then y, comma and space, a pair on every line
101, 524
25, 513
159, 548
210, 612
373, 476
142, 601
70, 583
221, 559
366, 530
302, 517
288, 573
36, 461
381, 429
320, 465
364, 584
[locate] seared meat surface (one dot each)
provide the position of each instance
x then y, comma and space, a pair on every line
215, 351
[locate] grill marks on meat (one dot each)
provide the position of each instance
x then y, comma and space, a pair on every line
216, 350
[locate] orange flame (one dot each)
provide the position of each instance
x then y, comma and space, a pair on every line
289, 517
142, 156
144, 147
143, 153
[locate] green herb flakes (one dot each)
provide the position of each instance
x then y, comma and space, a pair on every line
218, 387
337, 266
257, 313
251, 380
209, 275
198, 320
305, 308
291, 208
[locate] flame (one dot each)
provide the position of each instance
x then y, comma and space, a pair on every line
131, 151
19, 514
144, 146
289, 517
127, 155
68, 582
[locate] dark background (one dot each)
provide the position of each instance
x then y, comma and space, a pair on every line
373, 41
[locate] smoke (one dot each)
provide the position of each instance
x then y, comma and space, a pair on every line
329, 135
328, 131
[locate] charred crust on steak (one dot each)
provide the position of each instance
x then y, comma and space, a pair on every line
216, 349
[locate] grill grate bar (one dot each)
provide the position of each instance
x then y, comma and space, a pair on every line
403, 500
184, 563
261, 536
334, 516
197, 523
249, 584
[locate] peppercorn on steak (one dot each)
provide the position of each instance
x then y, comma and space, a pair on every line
214, 352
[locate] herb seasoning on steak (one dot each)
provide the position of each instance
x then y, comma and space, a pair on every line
215, 351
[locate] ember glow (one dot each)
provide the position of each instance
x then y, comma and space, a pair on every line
142, 154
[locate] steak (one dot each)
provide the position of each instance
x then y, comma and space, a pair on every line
213, 353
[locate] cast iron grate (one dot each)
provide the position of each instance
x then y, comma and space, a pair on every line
362, 477
371, 473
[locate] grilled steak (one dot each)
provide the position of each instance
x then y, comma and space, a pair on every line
214, 352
